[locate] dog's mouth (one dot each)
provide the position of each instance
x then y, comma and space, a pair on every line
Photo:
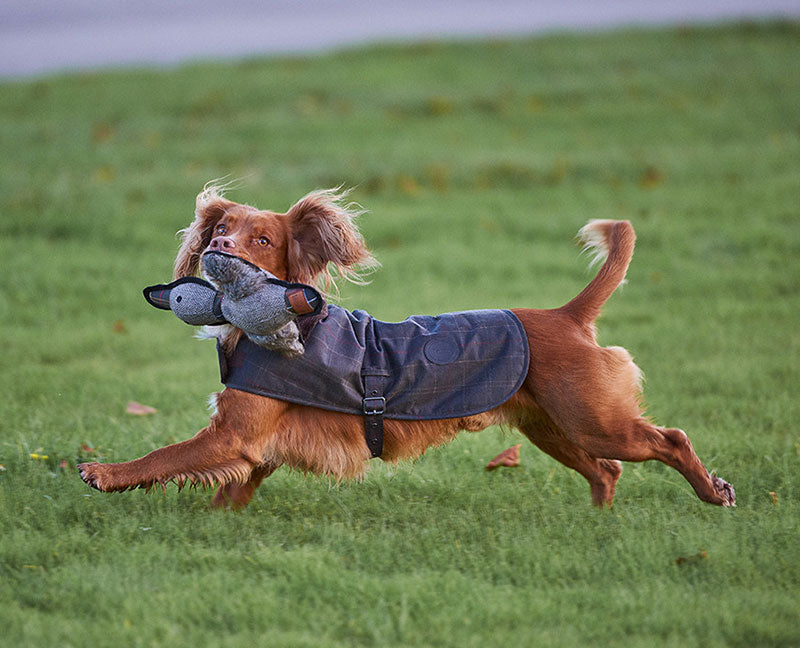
216, 254
237, 276
221, 268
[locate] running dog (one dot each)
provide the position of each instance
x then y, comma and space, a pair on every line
579, 402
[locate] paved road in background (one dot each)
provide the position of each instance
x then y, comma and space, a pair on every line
44, 36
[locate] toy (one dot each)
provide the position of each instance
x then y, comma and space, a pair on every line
242, 294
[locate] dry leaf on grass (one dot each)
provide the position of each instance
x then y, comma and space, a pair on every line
119, 327
139, 410
774, 496
688, 560
507, 458
651, 178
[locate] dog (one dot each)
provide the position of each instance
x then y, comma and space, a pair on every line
579, 402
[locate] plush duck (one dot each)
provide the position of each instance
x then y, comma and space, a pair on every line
242, 294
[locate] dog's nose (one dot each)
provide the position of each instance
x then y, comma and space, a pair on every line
222, 244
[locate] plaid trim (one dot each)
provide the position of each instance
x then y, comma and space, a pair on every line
160, 298
451, 365
158, 295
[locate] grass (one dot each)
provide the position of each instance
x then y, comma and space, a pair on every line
478, 162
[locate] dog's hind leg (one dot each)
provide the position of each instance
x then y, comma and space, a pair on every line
602, 474
236, 495
673, 447
641, 440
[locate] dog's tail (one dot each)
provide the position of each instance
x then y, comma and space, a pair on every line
610, 240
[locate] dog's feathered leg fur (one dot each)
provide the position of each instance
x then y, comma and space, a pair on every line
225, 452
590, 395
237, 495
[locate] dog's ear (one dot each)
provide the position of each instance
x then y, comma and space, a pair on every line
323, 233
210, 206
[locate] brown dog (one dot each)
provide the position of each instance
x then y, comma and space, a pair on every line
580, 402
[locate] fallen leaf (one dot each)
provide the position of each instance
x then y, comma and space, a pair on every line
88, 449
440, 106
559, 171
507, 458
688, 560
103, 174
102, 132
774, 497
407, 184
153, 140
138, 409
536, 104
651, 178
439, 176
63, 464
119, 327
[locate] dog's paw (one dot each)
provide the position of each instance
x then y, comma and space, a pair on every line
724, 490
89, 474
100, 477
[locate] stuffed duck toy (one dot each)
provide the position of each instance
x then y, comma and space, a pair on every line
240, 293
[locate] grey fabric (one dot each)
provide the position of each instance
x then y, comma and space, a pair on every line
251, 301
242, 294
451, 365
194, 304
261, 313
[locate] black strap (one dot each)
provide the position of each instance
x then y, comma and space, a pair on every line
216, 307
374, 405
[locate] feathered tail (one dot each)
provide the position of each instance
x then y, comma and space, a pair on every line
610, 240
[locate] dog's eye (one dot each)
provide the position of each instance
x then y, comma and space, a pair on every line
263, 241
221, 229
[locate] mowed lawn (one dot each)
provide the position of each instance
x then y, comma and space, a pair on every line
478, 163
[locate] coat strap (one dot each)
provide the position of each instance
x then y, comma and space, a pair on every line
374, 405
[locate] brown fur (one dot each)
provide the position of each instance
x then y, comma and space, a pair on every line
580, 403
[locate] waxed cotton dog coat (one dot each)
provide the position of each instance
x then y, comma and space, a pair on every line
425, 367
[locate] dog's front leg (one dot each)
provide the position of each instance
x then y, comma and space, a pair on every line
203, 460
236, 495
225, 452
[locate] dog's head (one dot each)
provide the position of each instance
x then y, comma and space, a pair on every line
304, 244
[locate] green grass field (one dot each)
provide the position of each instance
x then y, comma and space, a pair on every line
478, 163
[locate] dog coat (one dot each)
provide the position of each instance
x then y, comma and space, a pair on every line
425, 367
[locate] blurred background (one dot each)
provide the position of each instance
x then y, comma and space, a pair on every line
42, 35
480, 136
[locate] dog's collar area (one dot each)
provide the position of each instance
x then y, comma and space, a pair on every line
306, 323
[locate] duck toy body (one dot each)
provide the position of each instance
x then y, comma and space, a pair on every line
240, 293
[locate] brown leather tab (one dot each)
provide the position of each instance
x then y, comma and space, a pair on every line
297, 300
